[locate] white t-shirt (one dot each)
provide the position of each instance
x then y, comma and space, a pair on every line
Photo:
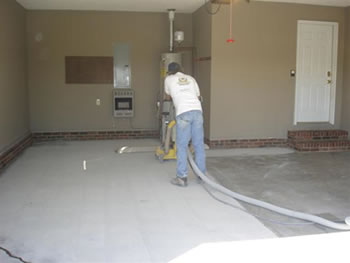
184, 91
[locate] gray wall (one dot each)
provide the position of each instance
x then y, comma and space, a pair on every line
55, 106
202, 42
252, 94
346, 93
14, 115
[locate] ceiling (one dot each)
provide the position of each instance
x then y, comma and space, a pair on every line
182, 6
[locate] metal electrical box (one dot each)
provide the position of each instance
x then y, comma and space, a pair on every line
122, 68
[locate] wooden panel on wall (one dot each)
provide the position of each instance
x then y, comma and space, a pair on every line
89, 70
225, 2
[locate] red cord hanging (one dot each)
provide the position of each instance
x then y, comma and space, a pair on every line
230, 39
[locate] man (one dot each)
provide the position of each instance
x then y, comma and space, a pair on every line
184, 91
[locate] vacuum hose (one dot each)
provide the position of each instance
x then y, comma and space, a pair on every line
274, 208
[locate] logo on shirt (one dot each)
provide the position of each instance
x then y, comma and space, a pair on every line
183, 81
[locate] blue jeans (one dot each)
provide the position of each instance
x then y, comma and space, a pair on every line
189, 125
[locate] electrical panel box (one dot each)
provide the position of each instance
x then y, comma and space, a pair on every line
123, 103
122, 69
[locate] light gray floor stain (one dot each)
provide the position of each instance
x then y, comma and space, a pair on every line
122, 208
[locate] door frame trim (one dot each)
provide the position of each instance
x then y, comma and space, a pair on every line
334, 66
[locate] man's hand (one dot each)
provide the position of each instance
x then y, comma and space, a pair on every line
167, 97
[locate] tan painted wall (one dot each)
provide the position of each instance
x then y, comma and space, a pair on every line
252, 94
14, 115
202, 41
55, 106
346, 93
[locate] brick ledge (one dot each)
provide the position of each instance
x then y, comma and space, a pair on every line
247, 143
94, 135
11, 154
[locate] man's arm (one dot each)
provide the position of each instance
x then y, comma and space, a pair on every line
196, 88
166, 90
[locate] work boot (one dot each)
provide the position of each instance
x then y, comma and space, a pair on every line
179, 181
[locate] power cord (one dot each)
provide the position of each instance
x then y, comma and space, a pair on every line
13, 256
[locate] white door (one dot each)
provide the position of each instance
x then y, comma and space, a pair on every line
316, 72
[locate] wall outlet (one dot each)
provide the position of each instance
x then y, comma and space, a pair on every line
98, 102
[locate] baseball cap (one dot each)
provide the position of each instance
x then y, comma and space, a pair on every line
173, 67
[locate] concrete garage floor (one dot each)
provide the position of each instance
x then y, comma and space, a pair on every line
122, 208
315, 183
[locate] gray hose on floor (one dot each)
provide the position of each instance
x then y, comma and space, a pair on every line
274, 208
